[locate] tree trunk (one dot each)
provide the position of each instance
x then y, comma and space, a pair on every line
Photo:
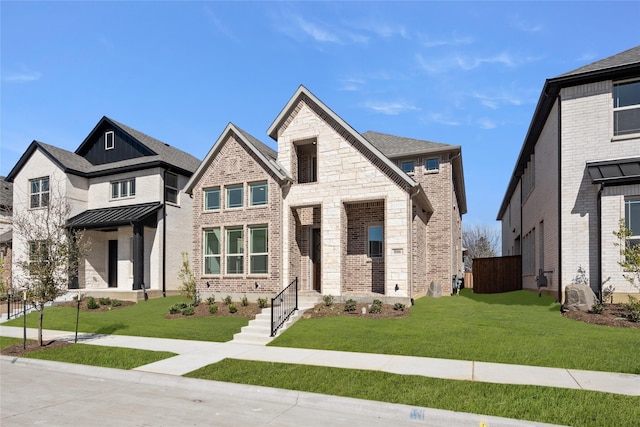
41, 315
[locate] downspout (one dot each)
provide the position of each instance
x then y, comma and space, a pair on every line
410, 220
559, 198
164, 233
599, 215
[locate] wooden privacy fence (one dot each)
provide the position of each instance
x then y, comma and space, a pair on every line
495, 275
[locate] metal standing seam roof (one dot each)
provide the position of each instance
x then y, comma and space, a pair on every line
113, 216
618, 172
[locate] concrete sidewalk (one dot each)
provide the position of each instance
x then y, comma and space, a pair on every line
196, 354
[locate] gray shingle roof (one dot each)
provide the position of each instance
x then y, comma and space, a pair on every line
397, 146
6, 192
628, 57
266, 151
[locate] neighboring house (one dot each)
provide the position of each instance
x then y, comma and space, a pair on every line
345, 213
124, 189
6, 229
577, 176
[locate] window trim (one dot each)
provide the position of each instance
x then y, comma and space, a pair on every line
108, 146
617, 109
205, 191
214, 255
130, 184
634, 239
406, 162
369, 241
42, 203
228, 252
227, 198
256, 254
432, 170
255, 185
168, 187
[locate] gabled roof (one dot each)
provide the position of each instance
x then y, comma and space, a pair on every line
304, 93
616, 67
265, 154
76, 164
113, 216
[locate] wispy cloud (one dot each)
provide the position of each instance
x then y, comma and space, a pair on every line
494, 101
442, 119
317, 31
218, 25
389, 108
470, 62
351, 84
486, 123
22, 76
523, 25
455, 40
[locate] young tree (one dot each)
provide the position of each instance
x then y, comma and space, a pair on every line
630, 254
52, 253
479, 242
188, 289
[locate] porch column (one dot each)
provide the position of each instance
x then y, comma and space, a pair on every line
138, 256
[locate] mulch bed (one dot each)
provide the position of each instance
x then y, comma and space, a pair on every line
17, 350
83, 305
202, 310
613, 315
337, 309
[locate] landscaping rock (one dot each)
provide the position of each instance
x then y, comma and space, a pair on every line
578, 298
435, 290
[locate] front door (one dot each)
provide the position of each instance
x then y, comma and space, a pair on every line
113, 264
316, 259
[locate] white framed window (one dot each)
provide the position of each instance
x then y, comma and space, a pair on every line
123, 189
39, 192
171, 187
632, 219
432, 164
407, 166
212, 199
258, 250
38, 252
376, 241
212, 251
258, 193
626, 108
235, 250
234, 196
109, 140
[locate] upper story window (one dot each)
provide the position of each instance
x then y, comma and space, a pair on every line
626, 108
109, 140
307, 158
212, 199
234, 196
376, 247
171, 187
39, 192
258, 193
123, 188
432, 164
632, 219
408, 166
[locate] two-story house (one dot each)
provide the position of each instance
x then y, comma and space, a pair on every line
6, 231
124, 189
345, 213
577, 175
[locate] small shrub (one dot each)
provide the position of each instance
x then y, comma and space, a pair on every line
328, 300
116, 303
399, 306
92, 304
244, 301
376, 307
232, 308
213, 309
177, 307
227, 300
211, 300
262, 302
104, 301
350, 305
189, 311
633, 309
196, 298
598, 308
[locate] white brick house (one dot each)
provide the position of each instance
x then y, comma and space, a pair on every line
577, 176
342, 215
124, 189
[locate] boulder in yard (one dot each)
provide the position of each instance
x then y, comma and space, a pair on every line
435, 290
578, 298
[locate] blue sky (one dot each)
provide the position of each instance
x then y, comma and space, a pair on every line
460, 73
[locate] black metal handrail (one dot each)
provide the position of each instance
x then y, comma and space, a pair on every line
283, 305
15, 306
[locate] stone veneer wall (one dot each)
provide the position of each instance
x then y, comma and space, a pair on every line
236, 164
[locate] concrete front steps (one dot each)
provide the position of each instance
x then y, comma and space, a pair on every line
258, 331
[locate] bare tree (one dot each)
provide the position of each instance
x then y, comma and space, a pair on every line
52, 252
480, 242
630, 254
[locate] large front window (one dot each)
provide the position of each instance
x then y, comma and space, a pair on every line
626, 108
632, 219
235, 251
235, 196
212, 251
258, 250
124, 188
39, 192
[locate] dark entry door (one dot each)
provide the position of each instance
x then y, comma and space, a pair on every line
113, 264
316, 258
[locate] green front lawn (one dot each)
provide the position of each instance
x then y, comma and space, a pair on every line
515, 327
146, 318
534, 403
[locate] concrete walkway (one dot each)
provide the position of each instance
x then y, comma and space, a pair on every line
196, 354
